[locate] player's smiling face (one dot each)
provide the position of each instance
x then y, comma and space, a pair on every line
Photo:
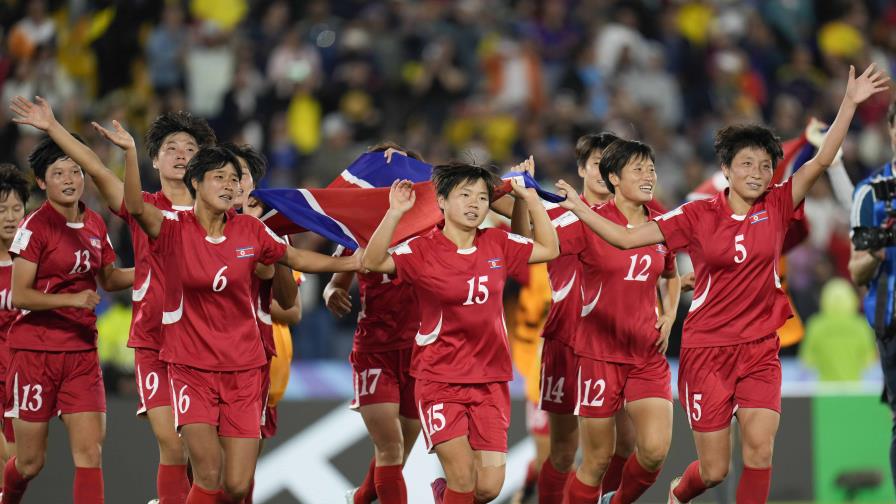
219, 187
591, 173
12, 211
177, 150
467, 204
636, 180
63, 182
750, 173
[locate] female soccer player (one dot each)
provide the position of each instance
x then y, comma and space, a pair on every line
212, 343
558, 377
171, 141
14, 191
729, 359
621, 339
462, 361
381, 361
61, 254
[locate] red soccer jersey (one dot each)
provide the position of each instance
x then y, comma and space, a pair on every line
210, 318
618, 315
462, 336
68, 256
149, 278
565, 275
389, 318
737, 296
7, 313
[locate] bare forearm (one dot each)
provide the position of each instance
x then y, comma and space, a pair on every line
543, 232
503, 206
619, 236
110, 187
862, 267
672, 296
313, 262
291, 316
34, 300
118, 279
519, 222
833, 139
376, 256
284, 288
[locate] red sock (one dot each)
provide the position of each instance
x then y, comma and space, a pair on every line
634, 482
367, 491
14, 484
452, 497
390, 487
248, 498
753, 486
199, 495
613, 475
691, 484
172, 485
580, 493
551, 483
88, 485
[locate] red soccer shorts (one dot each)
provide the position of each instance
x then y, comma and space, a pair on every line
152, 380
41, 385
605, 387
537, 420
231, 400
558, 378
480, 411
8, 433
384, 377
269, 422
714, 381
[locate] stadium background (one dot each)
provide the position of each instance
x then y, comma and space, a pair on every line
313, 83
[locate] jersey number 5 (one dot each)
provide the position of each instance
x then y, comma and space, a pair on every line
740, 252
481, 290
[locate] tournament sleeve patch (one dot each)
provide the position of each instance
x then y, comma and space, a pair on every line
519, 239
20, 242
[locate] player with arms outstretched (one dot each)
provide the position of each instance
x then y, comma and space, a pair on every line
462, 360
729, 358
61, 254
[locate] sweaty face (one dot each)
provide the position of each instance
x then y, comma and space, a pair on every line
12, 211
467, 204
750, 172
177, 150
591, 174
63, 182
219, 187
636, 180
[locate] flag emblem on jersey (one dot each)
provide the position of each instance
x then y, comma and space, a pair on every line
661, 249
495, 263
245, 252
759, 216
96, 242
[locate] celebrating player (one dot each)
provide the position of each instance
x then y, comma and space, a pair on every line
462, 361
729, 357
62, 252
381, 361
212, 341
621, 340
14, 191
171, 141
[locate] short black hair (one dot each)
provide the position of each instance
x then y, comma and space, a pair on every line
256, 163
586, 144
13, 181
891, 113
206, 160
45, 153
446, 177
732, 139
618, 154
388, 144
175, 122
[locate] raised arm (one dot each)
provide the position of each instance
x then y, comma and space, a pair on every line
26, 297
858, 90
148, 216
519, 220
113, 279
619, 236
376, 257
546, 246
40, 115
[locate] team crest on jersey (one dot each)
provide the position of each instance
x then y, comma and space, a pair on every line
245, 252
758, 217
496, 263
661, 249
96, 242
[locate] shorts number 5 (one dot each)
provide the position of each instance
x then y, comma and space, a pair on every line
696, 409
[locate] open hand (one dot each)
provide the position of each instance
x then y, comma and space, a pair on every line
402, 195
872, 81
664, 324
119, 137
38, 113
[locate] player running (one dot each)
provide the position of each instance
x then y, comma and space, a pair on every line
622, 338
171, 141
462, 360
61, 254
212, 342
381, 362
729, 359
